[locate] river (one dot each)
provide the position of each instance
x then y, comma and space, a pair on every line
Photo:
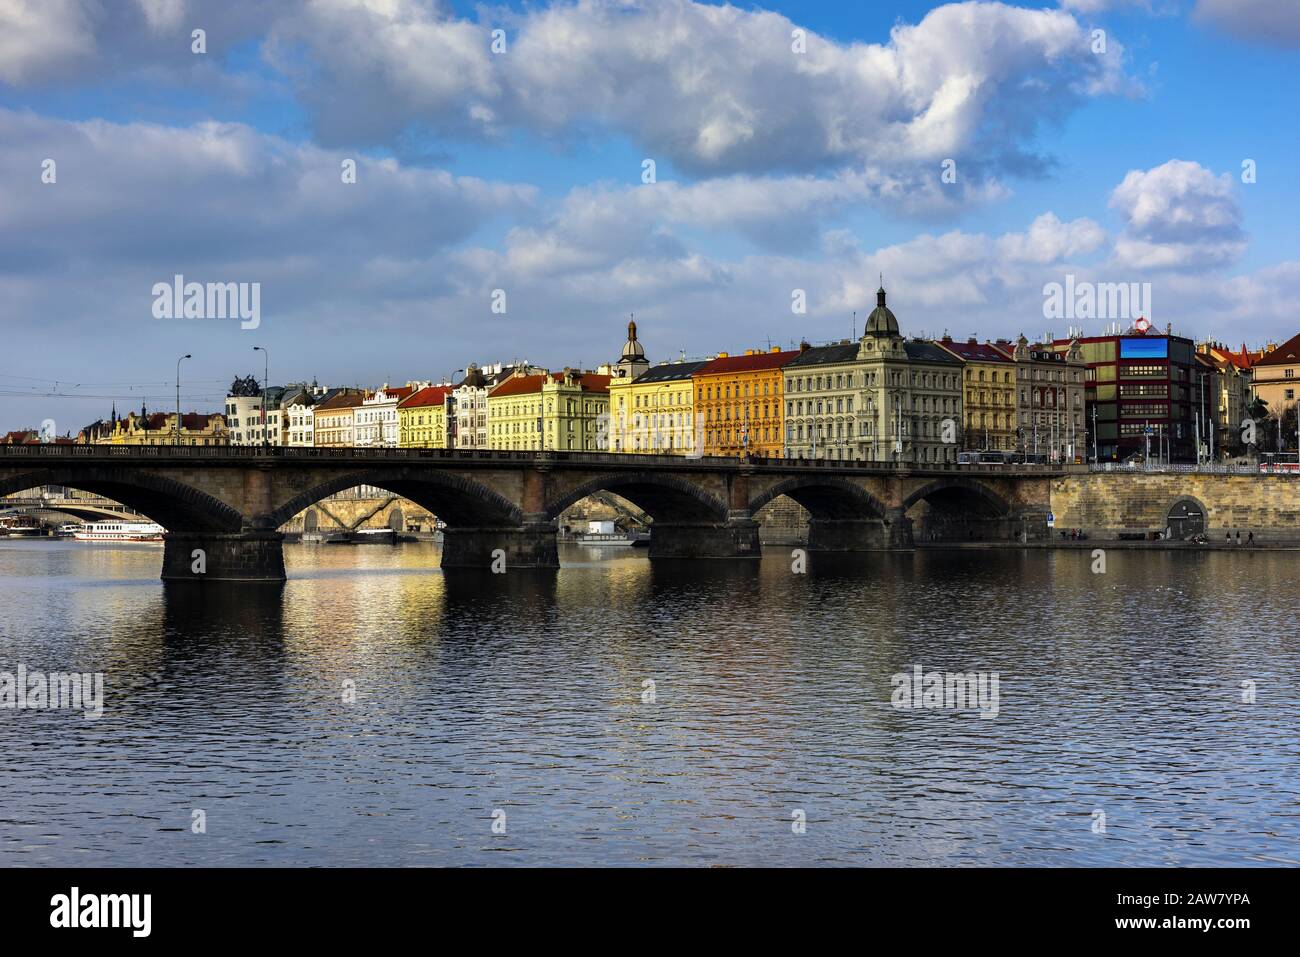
768, 737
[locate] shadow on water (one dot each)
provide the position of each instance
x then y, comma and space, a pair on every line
226, 619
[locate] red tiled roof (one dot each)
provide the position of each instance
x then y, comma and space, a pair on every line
433, 395
519, 385
725, 365
398, 392
589, 381
1287, 354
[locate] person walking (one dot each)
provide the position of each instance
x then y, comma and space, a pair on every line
1250, 538
1228, 538
1238, 536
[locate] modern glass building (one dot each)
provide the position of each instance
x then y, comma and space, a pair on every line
1140, 393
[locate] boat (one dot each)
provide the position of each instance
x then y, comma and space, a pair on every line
609, 535
332, 537
20, 526
67, 531
119, 532
374, 536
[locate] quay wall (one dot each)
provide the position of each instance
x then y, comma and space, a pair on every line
1115, 504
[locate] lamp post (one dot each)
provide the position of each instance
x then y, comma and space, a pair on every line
266, 366
178, 396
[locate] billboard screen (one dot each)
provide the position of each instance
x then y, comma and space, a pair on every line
1136, 348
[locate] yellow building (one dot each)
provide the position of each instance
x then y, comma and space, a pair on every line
422, 419
557, 411
740, 399
655, 412
988, 394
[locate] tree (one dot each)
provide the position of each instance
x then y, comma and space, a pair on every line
245, 386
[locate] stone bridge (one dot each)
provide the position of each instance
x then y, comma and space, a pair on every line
230, 502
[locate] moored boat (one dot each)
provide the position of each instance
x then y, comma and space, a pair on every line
114, 531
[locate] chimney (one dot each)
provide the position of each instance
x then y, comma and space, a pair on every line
776, 348
804, 347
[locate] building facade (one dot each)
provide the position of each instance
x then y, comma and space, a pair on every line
1139, 395
514, 413
422, 418
159, 428
334, 420
740, 400
575, 410
824, 392
655, 412
1276, 375
377, 424
988, 394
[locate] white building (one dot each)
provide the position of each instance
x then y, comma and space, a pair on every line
376, 418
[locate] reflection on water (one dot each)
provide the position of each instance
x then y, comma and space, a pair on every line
523, 692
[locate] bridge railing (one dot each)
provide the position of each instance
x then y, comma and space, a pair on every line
315, 454
1205, 468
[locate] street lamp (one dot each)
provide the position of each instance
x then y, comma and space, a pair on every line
178, 395
266, 365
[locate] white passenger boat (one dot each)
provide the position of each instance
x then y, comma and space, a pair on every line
119, 532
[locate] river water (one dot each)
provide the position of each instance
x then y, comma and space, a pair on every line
767, 737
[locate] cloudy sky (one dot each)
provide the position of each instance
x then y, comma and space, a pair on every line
969, 152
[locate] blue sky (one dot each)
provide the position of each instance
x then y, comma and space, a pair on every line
521, 171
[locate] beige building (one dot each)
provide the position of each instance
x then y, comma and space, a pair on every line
1276, 376
1050, 399
988, 394
883, 399
334, 422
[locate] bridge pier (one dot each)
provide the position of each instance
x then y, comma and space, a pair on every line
847, 535
247, 556
898, 528
737, 538
531, 545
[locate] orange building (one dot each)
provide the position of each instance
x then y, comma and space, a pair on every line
738, 403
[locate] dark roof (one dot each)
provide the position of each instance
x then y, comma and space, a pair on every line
671, 371
974, 351
929, 352
825, 355
881, 322
724, 365
1287, 354
343, 400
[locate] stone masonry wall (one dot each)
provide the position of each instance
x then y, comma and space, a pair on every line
1107, 504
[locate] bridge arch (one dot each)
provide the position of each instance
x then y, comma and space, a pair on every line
665, 498
172, 504
825, 497
962, 493
456, 500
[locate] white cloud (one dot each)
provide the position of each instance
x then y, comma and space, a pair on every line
38, 35
1179, 216
713, 89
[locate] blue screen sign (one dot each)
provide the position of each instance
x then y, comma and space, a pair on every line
1143, 348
